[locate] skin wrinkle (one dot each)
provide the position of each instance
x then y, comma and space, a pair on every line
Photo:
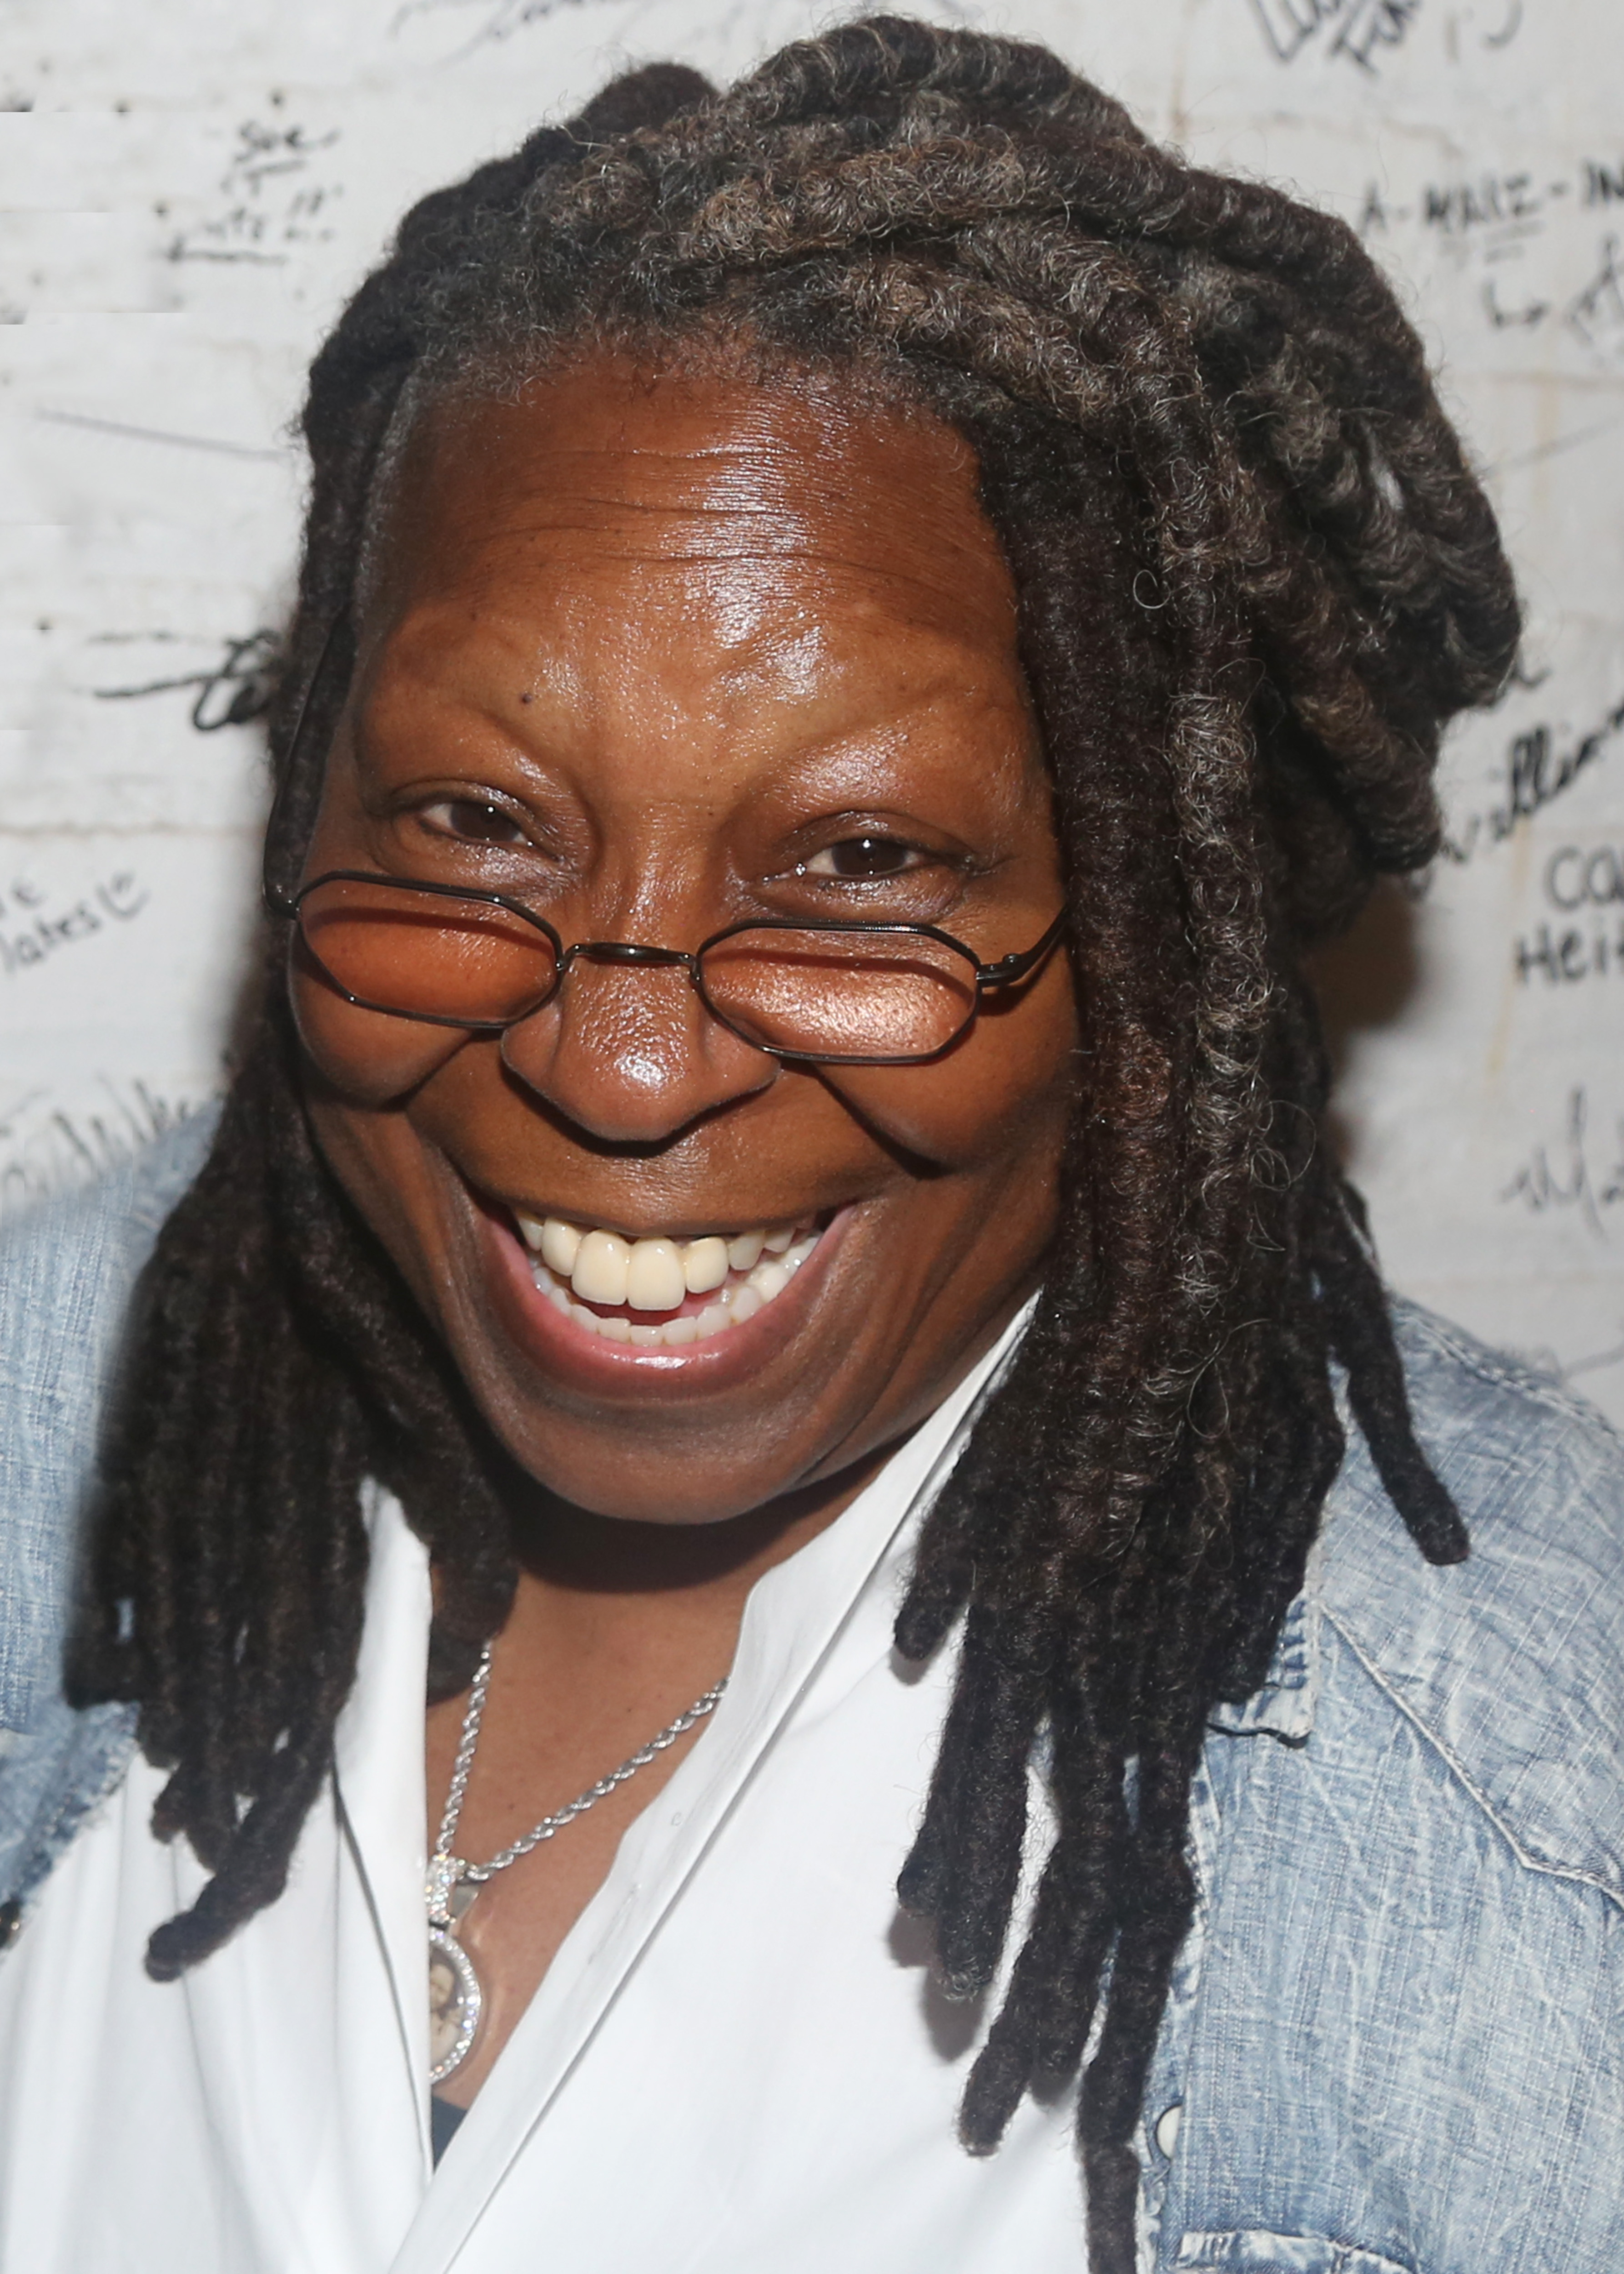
1151, 369
761, 475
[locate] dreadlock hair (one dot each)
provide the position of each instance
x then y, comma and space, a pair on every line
1255, 578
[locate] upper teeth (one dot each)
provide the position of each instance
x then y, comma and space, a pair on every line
654, 1275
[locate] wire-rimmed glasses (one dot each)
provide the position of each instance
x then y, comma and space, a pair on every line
826, 994
839, 993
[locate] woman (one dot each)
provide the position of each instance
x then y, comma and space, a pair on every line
851, 632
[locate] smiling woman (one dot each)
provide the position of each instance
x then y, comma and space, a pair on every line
851, 633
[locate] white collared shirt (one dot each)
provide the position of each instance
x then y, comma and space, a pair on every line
737, 2063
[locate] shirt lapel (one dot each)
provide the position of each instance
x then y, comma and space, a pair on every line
378, 1781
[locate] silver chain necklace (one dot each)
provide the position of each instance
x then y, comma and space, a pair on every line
456, 1997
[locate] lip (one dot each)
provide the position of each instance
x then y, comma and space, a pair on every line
586, 1362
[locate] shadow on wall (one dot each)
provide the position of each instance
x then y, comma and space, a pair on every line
1364, 981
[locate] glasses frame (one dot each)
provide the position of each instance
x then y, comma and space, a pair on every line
1007, 972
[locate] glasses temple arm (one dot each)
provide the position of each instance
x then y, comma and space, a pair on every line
1010, 967
278, 902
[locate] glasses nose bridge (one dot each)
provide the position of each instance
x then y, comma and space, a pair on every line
633, 952
627, 954
621, 1063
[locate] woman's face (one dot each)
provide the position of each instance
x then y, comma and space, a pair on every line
653, 655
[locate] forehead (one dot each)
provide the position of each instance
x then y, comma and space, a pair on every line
602, 472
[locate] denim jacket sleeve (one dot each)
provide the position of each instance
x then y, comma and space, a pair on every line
1396, 2041
67, 1271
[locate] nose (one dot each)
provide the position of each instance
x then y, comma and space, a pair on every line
631, 1055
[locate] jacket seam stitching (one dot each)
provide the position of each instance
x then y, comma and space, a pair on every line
1554, 1396
1572, 1873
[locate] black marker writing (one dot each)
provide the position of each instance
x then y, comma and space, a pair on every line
1579, 877
119, 899
502, 19
1535, 776
1565, 1176
1562, 956
240, 688
1354, 28
42, 1152
1494, 215
1457, 208
1503, 318
1597, 313
21, 898
1584, 883
271, 201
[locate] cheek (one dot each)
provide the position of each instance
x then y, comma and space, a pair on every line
365, 1056
377, 1160
1006, 1091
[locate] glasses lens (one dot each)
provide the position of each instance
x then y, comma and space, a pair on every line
840, 995
425, 955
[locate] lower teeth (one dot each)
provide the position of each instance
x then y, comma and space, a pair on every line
732, 1305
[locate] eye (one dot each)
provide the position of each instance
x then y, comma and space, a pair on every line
472, 820
863, 857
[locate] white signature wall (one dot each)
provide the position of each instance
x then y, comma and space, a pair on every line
190, 188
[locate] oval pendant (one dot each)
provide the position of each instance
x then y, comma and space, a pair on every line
455, 2003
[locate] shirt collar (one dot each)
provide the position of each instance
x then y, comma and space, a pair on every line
1285, 1704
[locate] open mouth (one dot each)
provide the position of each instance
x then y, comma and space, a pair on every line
657, 1294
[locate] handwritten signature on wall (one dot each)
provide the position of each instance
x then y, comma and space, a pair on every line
500, 19
1496, 202
237, 689
272, 198
1583, 884
34, 932
1358, 30
1538, 772
1575, 1173
1498, 215
45, 1147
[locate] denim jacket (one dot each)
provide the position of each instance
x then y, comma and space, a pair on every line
1394, 2042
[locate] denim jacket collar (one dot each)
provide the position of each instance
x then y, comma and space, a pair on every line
1284, 1707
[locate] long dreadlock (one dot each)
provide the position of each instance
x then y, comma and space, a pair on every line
1255, 579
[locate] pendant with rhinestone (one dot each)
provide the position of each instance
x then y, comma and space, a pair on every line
456, 2001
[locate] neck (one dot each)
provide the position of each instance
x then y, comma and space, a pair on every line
574, 1552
